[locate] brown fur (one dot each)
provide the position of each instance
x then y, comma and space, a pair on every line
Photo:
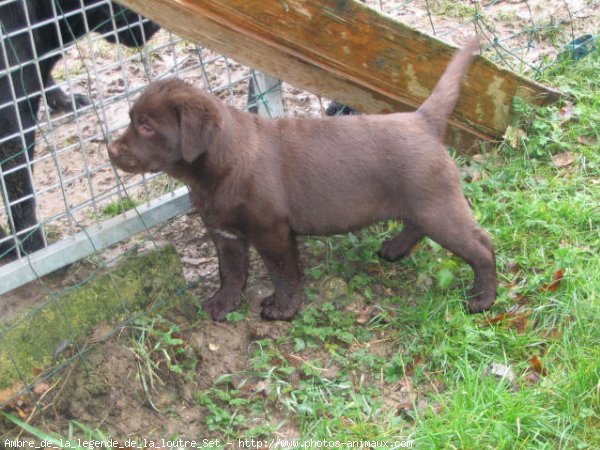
262, 182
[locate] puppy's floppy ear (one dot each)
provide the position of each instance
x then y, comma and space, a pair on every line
199, 125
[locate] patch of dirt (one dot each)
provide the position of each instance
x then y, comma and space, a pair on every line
108, 388
104, 392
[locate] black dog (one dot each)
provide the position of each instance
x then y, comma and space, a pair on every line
52, 24
339, 109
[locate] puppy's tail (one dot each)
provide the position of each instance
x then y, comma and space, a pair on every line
440, 104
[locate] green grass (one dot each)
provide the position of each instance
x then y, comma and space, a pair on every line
453, 9
114, 209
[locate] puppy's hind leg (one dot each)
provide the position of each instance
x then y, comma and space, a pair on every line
400, 245
452, 225
233, 271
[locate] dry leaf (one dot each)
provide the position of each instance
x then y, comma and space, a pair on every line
404, 410
514, 135
563, 159
404, 385
21, 413
553, 333
501, 371
537, 366
417, 361
503, 316
516, 318
438, 408
521, 322
11, 392
532, 378
519, 298
366, 314
41, 388
495, 319
513, 266
470, 174
566, 112
374, 269
587, 140
262, 388
556, 280
405, 396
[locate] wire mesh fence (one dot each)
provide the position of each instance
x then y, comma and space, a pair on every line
64, 201
525, 36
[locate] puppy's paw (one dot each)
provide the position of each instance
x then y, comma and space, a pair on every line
268, 302
278, 309
392, 250
480, 302
221, 304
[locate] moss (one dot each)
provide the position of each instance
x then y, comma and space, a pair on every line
152, 280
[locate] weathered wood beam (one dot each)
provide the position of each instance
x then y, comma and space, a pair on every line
344, 50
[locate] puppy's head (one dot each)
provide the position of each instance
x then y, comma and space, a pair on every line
171, 123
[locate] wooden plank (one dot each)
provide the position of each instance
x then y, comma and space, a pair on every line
344, 50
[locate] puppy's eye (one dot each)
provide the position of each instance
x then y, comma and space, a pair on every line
145, 129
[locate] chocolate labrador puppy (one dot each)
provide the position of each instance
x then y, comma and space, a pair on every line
262, 182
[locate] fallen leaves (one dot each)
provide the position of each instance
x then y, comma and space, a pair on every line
516, 318
409, 399
417, 362
368, 313
22, 400
9, 394
532, 374
18, 400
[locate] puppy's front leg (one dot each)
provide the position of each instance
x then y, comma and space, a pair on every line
232, 252
278, 249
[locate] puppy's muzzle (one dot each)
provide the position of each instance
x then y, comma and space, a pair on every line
121, 157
